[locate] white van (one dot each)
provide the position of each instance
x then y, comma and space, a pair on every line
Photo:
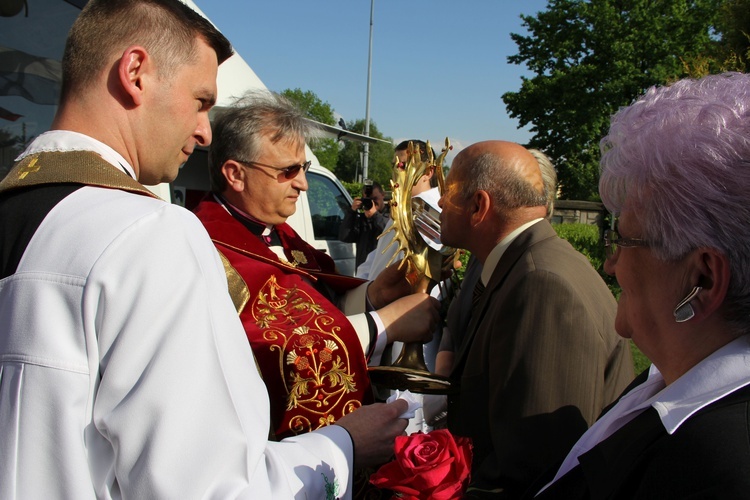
320, 209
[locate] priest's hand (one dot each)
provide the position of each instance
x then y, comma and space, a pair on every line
413, 318
391, 284
373, 429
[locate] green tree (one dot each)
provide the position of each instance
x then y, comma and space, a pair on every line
731, 43
590, 57
380, 164
734, 26
325, 149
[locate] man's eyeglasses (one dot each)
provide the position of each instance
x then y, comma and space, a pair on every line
288, 172
613, 242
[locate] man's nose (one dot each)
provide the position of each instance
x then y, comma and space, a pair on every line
203, 130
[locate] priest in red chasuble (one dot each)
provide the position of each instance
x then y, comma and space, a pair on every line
312, 330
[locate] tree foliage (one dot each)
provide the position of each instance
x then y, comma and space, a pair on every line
734, 26
381, 156
589, 58
326, 150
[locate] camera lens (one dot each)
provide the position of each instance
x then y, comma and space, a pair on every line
367, 203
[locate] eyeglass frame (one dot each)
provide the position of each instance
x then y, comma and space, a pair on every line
289, 172
617, 242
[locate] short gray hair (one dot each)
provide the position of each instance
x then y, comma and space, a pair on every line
238, 129
508, 190
549, 177
681, 155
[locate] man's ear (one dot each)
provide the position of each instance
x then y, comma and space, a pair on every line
133, 67
479, 206
234, 175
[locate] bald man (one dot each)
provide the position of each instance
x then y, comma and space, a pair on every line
540, 358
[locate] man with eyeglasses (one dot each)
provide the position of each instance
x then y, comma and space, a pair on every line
310, 328
540, 357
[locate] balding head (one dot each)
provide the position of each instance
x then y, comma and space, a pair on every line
506, 171
507, 156
493, 187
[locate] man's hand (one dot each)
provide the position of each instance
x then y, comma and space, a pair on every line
372, 211
373, 429
389, 285
356, 204
411, 319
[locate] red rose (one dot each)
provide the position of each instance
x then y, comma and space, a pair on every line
435, 465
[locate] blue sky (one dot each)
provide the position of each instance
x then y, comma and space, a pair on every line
439, 68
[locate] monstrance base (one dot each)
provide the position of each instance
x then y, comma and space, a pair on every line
414, 380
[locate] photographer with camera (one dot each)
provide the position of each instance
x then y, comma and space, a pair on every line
365, 221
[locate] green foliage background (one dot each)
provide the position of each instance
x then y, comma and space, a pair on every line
354, 188
587, 239
589, 58
326, 150
380, 160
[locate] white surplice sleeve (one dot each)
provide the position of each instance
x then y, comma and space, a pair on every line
179, 388
172, 405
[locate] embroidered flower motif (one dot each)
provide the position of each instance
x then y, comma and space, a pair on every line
306, 341
315, 363
326, 354
332, 489
300, 362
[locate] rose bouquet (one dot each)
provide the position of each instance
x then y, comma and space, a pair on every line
432, 466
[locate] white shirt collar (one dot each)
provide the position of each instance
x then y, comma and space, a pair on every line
719, 374
66, 140
494, 257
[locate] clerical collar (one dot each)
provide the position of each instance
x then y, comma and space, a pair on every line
260, 229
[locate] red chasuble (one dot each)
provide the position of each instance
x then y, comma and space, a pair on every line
309, 355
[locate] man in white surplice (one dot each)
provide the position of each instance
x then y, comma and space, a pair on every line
124, 369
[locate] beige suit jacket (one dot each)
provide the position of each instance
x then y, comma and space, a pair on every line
539, 362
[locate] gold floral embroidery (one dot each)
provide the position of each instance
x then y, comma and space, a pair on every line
313, 359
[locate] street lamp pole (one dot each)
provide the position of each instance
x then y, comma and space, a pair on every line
367, 106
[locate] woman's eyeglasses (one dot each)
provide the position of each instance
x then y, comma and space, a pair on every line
288, 172
613, 242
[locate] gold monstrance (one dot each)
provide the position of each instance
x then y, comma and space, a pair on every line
413, 224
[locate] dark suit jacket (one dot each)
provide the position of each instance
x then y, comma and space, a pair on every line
707, 457
357, 228
539, 362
